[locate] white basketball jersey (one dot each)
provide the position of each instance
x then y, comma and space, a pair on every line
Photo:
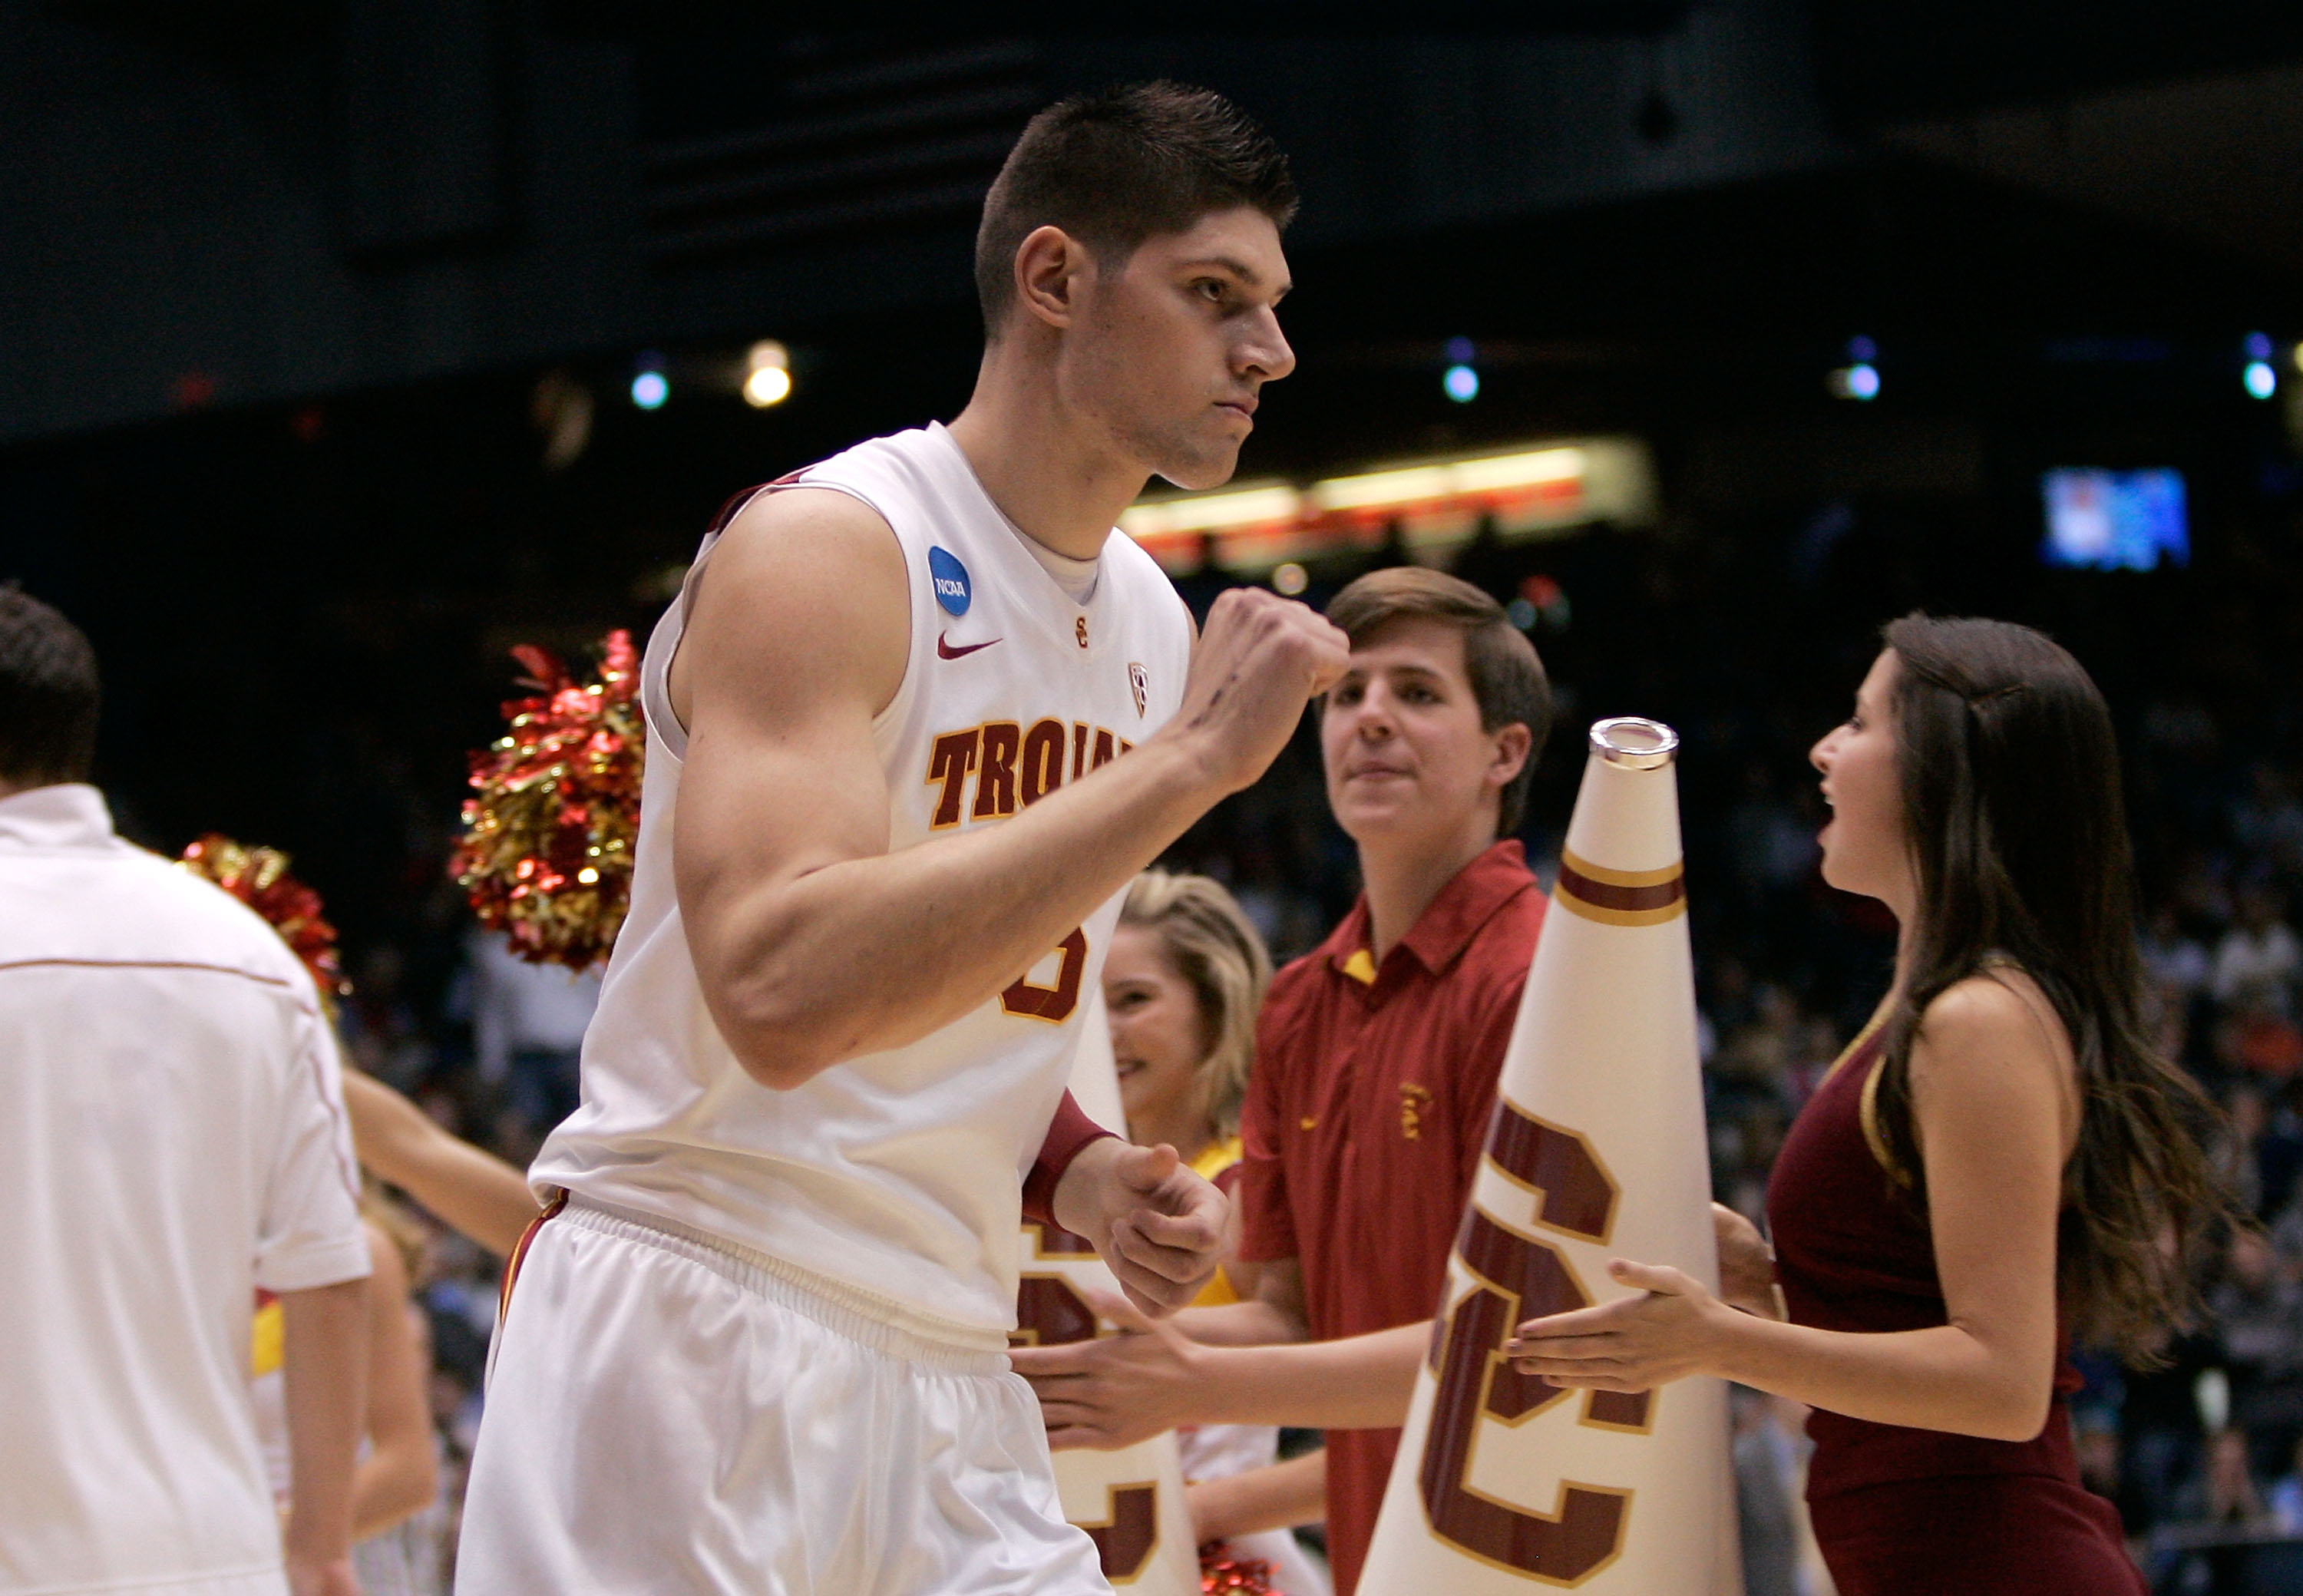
896, 1175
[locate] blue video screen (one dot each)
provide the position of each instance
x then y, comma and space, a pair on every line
2115, 520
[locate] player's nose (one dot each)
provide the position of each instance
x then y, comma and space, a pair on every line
1264, 354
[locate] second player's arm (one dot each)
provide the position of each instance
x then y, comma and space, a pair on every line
812, 941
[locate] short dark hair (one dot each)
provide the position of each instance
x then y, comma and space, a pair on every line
1506, 676
49, 694
1114, 168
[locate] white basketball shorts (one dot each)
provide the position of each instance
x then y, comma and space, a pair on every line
667, 1415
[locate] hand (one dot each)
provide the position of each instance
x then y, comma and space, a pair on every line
1112, 1392
1259, 660
331, 1577
1158, 1226
1634, 1344
1747, 1265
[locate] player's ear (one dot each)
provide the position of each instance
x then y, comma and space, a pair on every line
1050, 266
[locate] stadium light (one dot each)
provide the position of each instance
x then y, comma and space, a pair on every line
650, 386
767, 378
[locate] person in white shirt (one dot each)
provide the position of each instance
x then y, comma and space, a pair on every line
174, 1138
917, 720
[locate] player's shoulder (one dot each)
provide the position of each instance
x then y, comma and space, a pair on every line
810, 557
805, 521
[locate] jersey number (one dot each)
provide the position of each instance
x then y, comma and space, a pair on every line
1521, 1277
1050, 1313
1054, 1003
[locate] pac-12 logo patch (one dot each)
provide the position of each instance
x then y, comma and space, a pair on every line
1142, 682
949, 578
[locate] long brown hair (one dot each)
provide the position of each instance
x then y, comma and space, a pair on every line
2018, 839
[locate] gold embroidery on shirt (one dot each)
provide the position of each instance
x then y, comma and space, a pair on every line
1414, 1099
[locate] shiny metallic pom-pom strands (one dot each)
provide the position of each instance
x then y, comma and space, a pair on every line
548, 832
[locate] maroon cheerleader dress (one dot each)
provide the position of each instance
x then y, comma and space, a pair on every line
1898, 1511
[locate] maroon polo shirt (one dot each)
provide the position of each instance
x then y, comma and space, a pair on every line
1365, 1119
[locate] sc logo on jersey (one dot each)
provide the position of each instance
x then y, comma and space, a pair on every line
949, 578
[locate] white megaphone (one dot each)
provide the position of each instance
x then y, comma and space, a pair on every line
1129, 1501
1503, 1484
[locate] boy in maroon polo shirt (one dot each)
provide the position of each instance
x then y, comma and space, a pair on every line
1375, 1078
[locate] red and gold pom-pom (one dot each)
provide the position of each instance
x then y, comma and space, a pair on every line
546, 856
1221, 1573
258, 877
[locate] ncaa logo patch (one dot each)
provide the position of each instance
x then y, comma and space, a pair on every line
949, 577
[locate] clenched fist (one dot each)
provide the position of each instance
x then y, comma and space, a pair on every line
1259, 660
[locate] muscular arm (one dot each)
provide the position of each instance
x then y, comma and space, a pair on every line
474, 1192
400, 1474
1996, 1101
796, 912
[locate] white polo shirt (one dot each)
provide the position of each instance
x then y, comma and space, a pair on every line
171, 1137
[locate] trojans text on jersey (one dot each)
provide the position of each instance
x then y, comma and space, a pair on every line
1012, 765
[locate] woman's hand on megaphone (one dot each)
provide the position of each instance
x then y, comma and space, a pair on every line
1672, 1330
1747, 1265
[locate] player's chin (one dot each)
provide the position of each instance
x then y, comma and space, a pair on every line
1203, 463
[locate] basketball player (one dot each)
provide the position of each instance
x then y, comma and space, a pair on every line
914, 723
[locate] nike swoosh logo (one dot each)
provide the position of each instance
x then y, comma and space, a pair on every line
945, 651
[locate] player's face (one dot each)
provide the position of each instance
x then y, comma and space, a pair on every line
1864, 847
1177, 343
1406, 758
1158, 1035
